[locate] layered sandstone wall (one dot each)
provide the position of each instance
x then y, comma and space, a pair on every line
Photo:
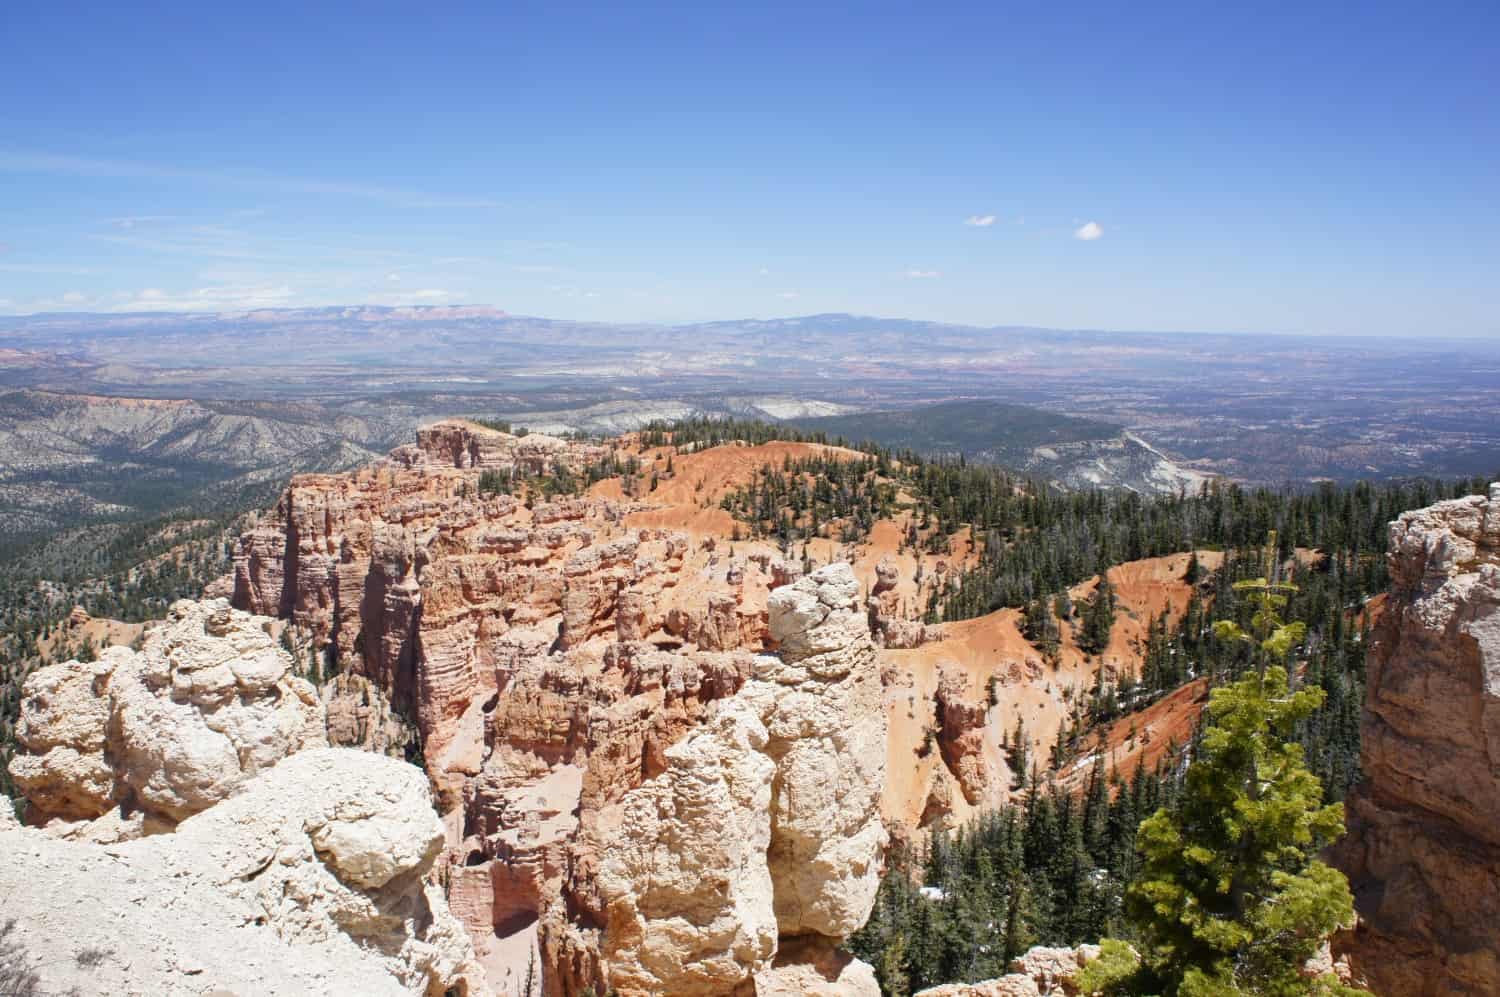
1423, 849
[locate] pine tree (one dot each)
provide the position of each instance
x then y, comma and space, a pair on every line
1098, 618
1231, 898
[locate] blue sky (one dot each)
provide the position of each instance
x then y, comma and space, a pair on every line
1313, 168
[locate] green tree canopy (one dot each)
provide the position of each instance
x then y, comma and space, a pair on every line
1230, 898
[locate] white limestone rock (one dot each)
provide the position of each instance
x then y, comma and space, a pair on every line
312, 878
686, 887
209, 701
765, 825
821, 704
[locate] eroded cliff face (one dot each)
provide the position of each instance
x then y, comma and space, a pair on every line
1423, 849
633, 789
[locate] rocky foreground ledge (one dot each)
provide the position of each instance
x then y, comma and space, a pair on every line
196, 834
311, 879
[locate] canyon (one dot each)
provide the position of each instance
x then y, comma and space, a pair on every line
561, 658
660, 755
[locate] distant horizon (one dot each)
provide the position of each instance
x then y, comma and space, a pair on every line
1431, 339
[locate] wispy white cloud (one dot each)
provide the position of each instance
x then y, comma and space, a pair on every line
448, 261
980, 221
430, 294
568, 291
43, 268
238, 177
922, 274
1089, 231
213, 241
207, 299
789, 295
134, 221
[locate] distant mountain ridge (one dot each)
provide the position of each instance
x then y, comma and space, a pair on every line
1259, 409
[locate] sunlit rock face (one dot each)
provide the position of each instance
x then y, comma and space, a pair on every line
763, 829
1423, 849
144, 739
312, 877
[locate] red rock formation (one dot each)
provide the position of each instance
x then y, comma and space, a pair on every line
549, 657
1423, 849
962, 734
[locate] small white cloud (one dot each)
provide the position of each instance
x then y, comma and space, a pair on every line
430, 293
980, 221
135, 221
1088, 231
788, 295
922, 274
393, 277
73, 298
764, 272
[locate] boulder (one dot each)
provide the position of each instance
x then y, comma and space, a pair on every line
1039, 972
311, 878
167, 731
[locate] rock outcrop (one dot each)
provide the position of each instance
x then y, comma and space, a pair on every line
313, 877
765, 824
687, 892
1423, 849
963, 737
892, 627
136, 741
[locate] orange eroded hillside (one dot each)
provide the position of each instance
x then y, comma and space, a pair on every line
688, 498
974, 684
